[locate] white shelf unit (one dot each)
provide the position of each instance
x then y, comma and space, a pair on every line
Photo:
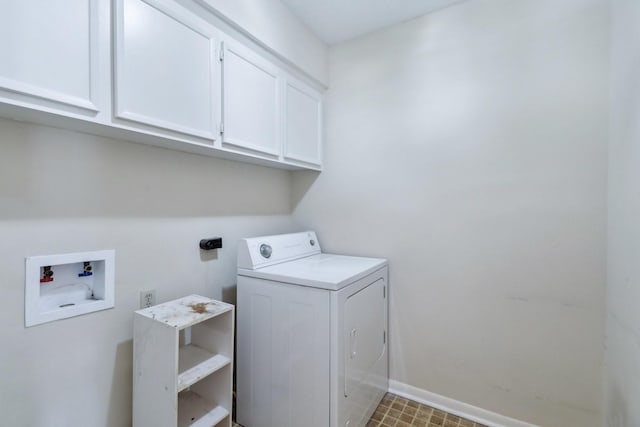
183, 364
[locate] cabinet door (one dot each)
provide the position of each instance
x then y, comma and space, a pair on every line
165, 68
49, 53
303, 124
251, 105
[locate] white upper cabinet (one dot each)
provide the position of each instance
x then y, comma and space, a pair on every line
251, 102
161, 72
303, 124
49, 54
166, 68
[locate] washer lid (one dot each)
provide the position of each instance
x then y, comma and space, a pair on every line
325, 271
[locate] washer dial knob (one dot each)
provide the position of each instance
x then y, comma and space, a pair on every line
265, 250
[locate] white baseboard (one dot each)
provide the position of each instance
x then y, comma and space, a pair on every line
454, 407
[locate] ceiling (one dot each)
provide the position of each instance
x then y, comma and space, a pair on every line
335, 21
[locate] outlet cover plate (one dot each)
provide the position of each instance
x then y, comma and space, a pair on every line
147, 298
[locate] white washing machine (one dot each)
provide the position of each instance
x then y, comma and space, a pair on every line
312, 334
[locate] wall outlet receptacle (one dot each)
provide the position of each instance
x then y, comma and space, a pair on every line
147, 298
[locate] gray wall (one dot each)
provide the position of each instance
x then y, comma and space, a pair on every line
622, 373
66, 192
469, 147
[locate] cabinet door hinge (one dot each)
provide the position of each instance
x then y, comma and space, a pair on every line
384, 292
384, 337
221, 127
221, 53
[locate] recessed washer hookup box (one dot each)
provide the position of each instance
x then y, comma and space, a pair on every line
67, 285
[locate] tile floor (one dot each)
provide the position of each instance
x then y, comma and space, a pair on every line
396, 411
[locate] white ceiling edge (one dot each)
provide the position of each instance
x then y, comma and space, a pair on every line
336, 21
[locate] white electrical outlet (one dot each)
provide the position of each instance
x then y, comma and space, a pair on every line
147, 298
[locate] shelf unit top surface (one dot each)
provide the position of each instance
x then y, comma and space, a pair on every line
184, 312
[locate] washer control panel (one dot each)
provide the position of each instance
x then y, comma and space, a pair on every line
256, 252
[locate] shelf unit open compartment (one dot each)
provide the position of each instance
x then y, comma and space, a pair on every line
207, 402
204, 349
